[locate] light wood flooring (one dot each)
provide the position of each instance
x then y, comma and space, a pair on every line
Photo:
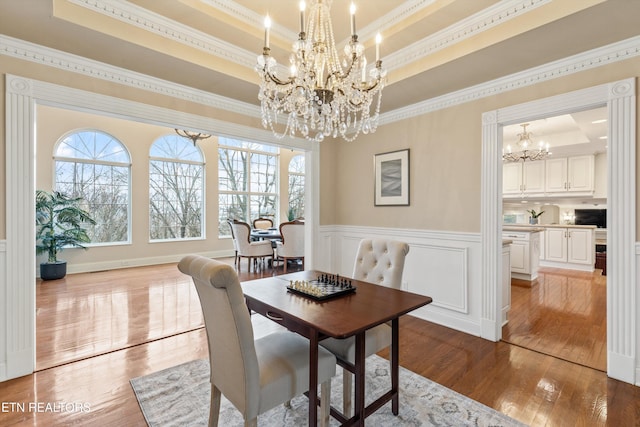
97, 331
563, 314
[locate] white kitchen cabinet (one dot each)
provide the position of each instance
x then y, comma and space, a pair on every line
570, 248
556, 245
572, 174
580, 246
525, 253
526, 177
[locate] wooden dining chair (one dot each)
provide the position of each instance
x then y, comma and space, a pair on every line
380, 262
262, 223
291, 247
241, 232
254, 375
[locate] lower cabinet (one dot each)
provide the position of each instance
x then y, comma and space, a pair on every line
573, 247
525, 254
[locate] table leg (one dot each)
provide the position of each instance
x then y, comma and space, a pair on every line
313, 379
359, 379
395, 363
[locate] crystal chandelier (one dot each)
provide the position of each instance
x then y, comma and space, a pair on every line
526, 149
321, 97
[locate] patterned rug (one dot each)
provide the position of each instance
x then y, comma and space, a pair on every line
179, 396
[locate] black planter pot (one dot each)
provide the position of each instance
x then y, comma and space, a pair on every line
53, 271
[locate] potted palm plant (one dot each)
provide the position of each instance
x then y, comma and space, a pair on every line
60, 224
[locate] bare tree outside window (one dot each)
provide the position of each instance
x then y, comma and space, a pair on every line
95, 166
176, 189
247, 182
296, 188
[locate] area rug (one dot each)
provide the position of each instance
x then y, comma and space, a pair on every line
179, 396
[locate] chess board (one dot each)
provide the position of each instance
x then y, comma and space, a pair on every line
323, 288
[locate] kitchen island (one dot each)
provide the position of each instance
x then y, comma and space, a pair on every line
525, 250
563, 245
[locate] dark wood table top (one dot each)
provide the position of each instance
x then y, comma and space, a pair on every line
339, 317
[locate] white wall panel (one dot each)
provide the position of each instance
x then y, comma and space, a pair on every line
442, 265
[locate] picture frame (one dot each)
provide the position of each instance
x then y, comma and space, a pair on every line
391, 178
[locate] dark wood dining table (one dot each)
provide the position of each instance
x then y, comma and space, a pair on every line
340, 317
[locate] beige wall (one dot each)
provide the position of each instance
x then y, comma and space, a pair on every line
445, 150
445, 160
54, 123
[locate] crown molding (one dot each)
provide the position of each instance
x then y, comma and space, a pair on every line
480, 22
605, 55
609, 54
27, 51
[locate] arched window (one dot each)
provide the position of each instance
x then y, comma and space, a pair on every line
296, 187
96, 166
176, 189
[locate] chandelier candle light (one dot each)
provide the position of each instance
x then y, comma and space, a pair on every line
527, 152
322, 97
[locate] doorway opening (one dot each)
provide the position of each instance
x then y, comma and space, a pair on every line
620, 100
560, 310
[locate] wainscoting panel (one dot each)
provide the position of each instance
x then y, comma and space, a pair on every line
442, 265
443, 275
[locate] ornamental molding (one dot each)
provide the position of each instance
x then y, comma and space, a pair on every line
76, 64
478, 23
605, 55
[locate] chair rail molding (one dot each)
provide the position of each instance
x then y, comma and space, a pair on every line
622, 298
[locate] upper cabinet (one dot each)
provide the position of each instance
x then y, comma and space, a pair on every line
520, 178
572, 174
552, 177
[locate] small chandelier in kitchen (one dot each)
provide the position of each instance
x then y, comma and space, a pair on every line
321, 97
526, 149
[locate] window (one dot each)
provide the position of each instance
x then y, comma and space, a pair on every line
247, 182
176, 189
296, 188
96, 166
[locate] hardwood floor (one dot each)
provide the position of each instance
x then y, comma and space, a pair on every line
562, 314
531, 387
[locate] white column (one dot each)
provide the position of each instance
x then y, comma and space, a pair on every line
19, 277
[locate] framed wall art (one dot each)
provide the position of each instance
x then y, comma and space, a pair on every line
391, 186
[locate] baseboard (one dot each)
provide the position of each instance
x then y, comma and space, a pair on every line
138, 262
621, 367
569, 266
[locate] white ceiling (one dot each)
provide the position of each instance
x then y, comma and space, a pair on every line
582, 132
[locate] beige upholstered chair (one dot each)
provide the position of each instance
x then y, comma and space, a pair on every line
241, 233
292, 244
262, 223
381, 262
254, 375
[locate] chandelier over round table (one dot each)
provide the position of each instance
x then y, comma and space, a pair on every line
324, 95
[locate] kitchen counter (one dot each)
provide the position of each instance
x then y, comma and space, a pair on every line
522, 227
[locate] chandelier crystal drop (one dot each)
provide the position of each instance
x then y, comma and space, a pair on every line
527, 151
324, 95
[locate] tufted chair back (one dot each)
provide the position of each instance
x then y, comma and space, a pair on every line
381, 262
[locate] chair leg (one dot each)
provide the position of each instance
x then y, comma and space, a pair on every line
214, 410
325, 403
285, 261
347, 392
303, 263
251, 423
